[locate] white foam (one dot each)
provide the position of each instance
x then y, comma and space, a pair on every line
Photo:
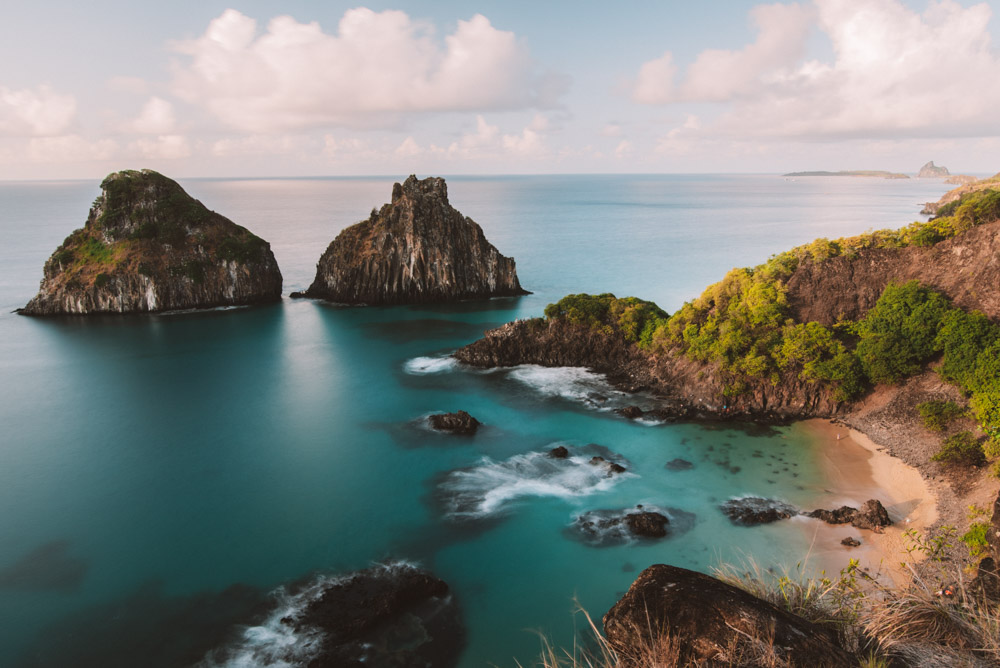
569, 382
490, 487
419, 366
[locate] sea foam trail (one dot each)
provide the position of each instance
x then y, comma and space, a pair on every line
490, 487
572, 383
420, 366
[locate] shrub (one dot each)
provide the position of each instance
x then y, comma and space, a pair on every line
962, 337
899, 334
938, 414
962, 448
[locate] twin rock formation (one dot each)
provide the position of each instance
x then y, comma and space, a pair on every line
147, 246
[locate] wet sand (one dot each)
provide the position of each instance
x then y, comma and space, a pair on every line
857, 470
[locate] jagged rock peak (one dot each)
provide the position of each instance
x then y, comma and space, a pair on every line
433, 186
149, 246
930, 170
416, 249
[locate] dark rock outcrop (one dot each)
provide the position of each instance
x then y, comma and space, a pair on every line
932, 171
148, 246
601, 528
559, 452
850, 541
709, 620
842, 515
647, 524
871, 515
458, 422
753, 510
612, 467
415, 250
395, 615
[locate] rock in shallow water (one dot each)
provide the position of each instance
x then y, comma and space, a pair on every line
753, 510
416, 250
458, 422
147, 246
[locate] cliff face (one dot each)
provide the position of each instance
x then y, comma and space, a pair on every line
686, 388
966, 268
148, 246
417, 249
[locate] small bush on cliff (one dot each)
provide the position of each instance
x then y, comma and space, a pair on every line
962, 337
962, 448
937, 415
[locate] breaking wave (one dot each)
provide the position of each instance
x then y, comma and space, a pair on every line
420, 366
571, 383
492, 486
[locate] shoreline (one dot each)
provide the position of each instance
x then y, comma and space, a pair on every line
858, 469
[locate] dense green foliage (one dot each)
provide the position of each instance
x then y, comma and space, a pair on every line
634, 318
961, 448
937, 415
899, 334
124, 213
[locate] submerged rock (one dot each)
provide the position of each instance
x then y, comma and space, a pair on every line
753, 510
711, 623
148, 246
601, 528
679, 464
459, 422
417, 249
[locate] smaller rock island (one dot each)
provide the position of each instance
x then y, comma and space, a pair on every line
932, 171
418, 249
148, 246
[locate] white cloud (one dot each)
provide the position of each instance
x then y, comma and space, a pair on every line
624, 149
156, 118
487, 140
377, 67
894, 73
35, 112
164, 147
409, 148
260, 145
69, 148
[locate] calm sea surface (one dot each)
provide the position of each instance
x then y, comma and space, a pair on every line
148, 464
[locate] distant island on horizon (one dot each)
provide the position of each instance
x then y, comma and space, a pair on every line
870, 173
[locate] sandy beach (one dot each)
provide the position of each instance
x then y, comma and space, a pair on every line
857, 470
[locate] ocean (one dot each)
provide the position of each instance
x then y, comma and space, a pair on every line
160, 474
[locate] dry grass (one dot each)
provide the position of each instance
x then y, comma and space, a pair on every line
914, 625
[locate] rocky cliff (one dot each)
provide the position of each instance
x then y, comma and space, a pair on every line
743, 349
148, 246
416, 249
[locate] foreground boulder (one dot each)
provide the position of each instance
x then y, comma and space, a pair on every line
395, 615
416, 250
712, 622
459, 422
148, 246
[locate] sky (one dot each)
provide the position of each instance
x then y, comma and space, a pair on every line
243, 88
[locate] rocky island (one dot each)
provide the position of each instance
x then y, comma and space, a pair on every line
932, 171
417, 249
148, 246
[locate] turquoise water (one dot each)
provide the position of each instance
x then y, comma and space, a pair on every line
148, 463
